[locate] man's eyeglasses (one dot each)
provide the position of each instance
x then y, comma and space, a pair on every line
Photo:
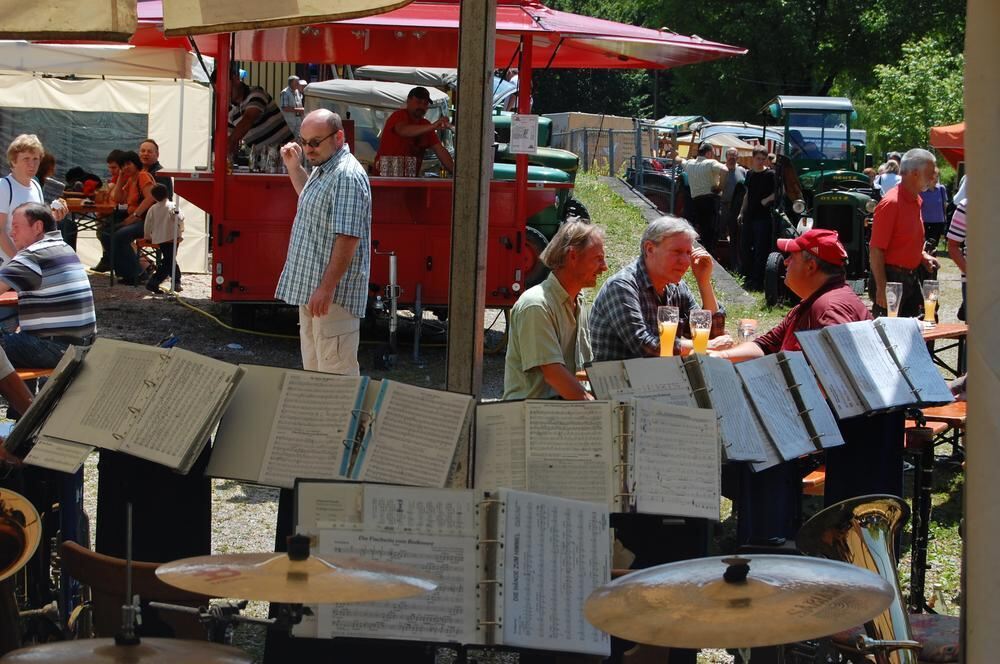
314, 142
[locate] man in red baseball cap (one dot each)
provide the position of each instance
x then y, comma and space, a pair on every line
768, 503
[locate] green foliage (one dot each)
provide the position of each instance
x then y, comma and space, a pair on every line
806, 47
922, 90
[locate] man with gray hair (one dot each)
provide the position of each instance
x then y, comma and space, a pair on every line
290, 102
623, 319
548, 338
733, 189
896, 250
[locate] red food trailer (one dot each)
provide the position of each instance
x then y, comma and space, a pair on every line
252, 213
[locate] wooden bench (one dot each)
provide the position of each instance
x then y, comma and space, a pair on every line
953, 416
146, 249
814, 484
32, 376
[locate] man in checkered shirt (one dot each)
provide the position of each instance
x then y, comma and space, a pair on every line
623, 319
326, 272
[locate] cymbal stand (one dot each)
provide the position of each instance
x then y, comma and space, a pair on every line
131, 612
219, 619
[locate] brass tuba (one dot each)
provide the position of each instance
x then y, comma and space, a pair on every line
20, 532
861, 531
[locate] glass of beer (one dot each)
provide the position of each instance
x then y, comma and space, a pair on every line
893, 298
701, 325
931, 292
666, 321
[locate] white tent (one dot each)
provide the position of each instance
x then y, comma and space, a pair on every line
177, 112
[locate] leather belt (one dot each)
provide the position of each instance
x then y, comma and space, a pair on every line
65, 339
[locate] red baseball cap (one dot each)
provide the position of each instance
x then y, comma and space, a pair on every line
823, 244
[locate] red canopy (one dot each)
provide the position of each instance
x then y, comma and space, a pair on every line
425, 34
950, 142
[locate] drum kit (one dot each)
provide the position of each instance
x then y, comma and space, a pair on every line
734, 602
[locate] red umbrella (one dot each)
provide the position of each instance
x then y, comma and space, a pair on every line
950, 142
426, 34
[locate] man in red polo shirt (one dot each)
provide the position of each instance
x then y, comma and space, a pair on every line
896, 251
407, 133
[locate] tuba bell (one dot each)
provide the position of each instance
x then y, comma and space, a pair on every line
862, 531
20, 532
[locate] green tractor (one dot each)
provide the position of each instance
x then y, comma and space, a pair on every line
823, 186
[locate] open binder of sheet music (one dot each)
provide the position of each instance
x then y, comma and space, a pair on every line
874, 366
513, 568
634, 455
768, 410
153, 403
286, 424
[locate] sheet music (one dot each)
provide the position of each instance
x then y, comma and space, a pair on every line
571, 449
607, 377
311, 425
55, 454
819, 412
662, 377
556, 552
414, 436
96, 404
908, 345
677, 460
772, 456
836, 383
872, 370
188, 396
741, 438
774, 405
329, 505
404, 527
501, 453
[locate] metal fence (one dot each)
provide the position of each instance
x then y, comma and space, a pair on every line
628, 153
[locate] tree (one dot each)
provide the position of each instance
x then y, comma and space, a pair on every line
804, 47
922, 90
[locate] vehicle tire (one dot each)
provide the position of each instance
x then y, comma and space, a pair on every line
774, 273
574, 208
534, 269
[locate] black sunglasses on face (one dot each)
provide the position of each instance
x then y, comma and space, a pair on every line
314, 142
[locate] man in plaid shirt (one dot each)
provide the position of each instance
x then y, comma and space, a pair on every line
326, 272
623, 318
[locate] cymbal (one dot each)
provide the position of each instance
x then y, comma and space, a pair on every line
781, 599
149, 651
274, 577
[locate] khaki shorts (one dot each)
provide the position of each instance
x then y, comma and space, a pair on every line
330, 343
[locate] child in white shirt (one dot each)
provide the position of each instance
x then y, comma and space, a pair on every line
164, 227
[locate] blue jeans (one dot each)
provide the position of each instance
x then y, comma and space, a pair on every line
126, 261
27, 351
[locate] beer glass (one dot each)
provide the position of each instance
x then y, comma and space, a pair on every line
666, 320
701, 325
410, 167
931, 293
893, 297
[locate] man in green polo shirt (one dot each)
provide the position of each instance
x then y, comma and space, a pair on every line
548, 338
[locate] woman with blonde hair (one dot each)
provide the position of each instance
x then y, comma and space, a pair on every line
24, 156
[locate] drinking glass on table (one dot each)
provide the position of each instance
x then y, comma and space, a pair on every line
893, 298
666, 320
747, 330
410, 167
701, 325
931, 292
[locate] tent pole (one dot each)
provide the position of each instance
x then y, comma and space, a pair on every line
981, 578
523, 107
221, 151
180, 152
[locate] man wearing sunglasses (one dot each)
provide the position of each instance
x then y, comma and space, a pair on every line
407, 133
326, 271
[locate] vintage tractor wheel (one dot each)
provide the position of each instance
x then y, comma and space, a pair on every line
534, 269
774, 278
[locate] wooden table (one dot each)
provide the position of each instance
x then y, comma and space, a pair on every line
955, 332
92, 217
8, 299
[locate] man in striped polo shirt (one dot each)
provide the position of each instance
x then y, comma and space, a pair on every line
55, 303
254, 118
